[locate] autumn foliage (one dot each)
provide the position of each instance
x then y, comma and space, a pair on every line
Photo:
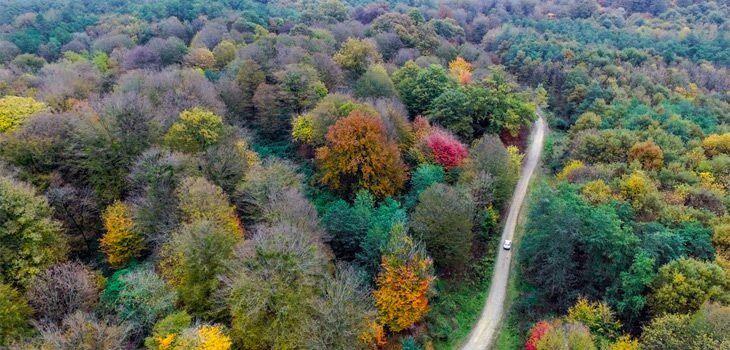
537, 332
648, 154
359, 156
120, 243
446, 149
461, 70
403, 284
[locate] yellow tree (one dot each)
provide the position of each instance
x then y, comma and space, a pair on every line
15, 110
121, 243
461, 70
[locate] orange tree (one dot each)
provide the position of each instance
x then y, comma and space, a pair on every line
358, 155
403, 283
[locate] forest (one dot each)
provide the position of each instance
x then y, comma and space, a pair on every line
335, 174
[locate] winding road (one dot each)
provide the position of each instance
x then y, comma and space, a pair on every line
482, 336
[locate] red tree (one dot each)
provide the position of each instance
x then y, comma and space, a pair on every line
537, 332
446, 149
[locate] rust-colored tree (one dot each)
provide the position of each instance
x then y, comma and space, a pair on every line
403, 283
648, 154
358, 155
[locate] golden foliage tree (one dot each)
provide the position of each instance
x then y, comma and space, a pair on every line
461, 70
358, 155
15, 110
196, 129
403, 283
717, 144
121, 243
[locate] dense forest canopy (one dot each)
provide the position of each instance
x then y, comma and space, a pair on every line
334, 174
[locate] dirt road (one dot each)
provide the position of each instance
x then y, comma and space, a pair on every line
482, 336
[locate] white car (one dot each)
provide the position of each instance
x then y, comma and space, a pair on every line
507, 244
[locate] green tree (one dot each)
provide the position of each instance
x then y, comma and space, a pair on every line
195, 254
572, 248
374, 83
443, 220
30, 240
14, 315
418, 87
272, 286
138, 297
356, 55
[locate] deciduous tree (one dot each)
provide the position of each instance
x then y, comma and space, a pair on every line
359, 156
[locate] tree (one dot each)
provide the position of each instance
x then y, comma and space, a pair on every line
344, 312
359, 156
704, 329
200, 200
195, 254
14, 315
374, 83
489, 160
461, 70
536, 333
313, 126
683, 285
272, 284
418, 87
262, 183
573, 249
15, 110
84, 331
166, 330
248, 78
716, 144
648, 154
137, 297
30, 240
565, 336
195, 130
200, 57
121, 243
445, 149
356, 55
62, 290
224, 53
404, 282
443, 220
598, 317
